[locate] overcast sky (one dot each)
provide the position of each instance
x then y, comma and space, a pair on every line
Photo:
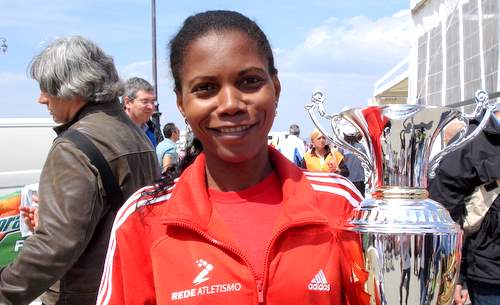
341, 47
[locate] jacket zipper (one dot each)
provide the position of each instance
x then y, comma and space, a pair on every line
260, 291
270, 244
215, 242
260, 284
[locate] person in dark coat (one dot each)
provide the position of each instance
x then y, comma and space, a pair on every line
460, 172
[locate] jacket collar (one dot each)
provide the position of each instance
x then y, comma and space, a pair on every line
190, 203
328, 151
89, 107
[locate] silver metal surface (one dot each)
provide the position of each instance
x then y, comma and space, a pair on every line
411, 269
411, 248
398, 138
410, 245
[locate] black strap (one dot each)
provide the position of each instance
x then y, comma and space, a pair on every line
113, 191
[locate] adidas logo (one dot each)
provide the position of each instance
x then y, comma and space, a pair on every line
319, 282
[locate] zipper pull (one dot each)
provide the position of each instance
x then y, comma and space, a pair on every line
260, 291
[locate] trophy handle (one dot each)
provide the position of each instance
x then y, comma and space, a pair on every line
483, 105
339, 140
318, 100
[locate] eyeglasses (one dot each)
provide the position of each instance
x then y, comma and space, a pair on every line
145, 102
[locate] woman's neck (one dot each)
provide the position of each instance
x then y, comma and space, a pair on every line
226, 176
321, 151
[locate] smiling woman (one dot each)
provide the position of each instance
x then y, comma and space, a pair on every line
238, 222
230, 106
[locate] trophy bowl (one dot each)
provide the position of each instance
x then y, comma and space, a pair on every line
411, 247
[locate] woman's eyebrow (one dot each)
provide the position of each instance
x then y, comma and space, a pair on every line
250, 69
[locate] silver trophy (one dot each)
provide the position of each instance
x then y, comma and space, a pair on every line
411, 246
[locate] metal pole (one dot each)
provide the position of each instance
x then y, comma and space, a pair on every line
157, 113
153, 40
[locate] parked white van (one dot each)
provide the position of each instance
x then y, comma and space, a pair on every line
24, 144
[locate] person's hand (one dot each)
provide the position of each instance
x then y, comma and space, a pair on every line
332, 167
30, 214
461, 295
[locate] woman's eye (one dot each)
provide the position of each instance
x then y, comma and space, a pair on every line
202, 88
251, 82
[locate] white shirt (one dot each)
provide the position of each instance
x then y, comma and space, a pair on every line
292, 146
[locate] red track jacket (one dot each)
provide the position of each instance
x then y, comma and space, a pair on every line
176, 249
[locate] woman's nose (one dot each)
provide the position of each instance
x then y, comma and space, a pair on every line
229, 101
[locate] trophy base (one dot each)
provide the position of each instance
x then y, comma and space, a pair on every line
411, 269
411, 247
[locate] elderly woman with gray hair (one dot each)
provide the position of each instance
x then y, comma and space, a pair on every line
64, 257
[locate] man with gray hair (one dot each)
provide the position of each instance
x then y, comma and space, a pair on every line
65, 256
139, 102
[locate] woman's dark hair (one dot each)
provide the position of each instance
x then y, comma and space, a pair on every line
192, 150
201, 24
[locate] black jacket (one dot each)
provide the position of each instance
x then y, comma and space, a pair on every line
476, 163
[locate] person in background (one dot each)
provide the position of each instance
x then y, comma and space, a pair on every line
321, 158
166, 151
67, 250
237, 225
476, 163
293, 147
139, 103
353, 164
451, 130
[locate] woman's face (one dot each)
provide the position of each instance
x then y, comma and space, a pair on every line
319, 142
228, 96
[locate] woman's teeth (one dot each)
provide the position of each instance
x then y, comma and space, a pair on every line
233, 129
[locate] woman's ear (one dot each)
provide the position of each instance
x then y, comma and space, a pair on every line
277, 86
180, 106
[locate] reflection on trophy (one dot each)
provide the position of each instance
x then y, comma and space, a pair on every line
411, 246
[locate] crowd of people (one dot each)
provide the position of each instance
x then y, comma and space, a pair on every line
64, 258
232, 219
320, 156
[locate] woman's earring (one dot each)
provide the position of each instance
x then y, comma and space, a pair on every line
188, 127
189, 133
276, 109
